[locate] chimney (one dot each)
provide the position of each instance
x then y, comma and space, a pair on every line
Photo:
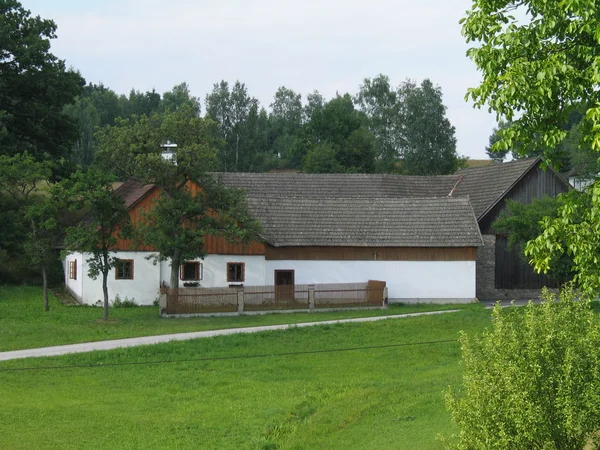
168, 152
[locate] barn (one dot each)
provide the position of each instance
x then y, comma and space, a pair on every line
335, 228
501, 272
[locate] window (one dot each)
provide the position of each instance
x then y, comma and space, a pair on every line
190, 271
235, 272
73, 270
124, 269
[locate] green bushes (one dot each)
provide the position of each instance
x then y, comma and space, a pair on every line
532, 380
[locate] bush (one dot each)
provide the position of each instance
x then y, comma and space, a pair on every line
532, 380
127, 303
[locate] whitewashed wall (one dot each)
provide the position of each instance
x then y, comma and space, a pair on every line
76, 286
143, 289
407, 281
215, 270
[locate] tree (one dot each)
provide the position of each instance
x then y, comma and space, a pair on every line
23, 178
192, 202
522, 223
429, 144
539, 74
85, 114
177, 97
497, 154
34, 87
314, 102
340, 128
536, 72
285, 122
380, 103
532, 380
231, 110
106, 220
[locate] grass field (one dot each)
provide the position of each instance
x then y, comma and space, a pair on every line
23, 324
369, 398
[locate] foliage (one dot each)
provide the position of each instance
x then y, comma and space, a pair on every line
97, 233
381, 104
23, 178
125, 303
532, 380
497, 154
338, 130
537, 70
542, 75
574, 232
429, 144
182, 215
34, 86
523, 223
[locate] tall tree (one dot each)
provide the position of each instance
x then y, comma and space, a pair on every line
34, 87
85, 114
285, 121
107, 218
380, 103
429, 146
231, 110
537, 73
24, 179
340, 128
177, 97
314, 102
497, 154
182, 215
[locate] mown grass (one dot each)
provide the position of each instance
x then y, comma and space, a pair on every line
375, 398
24, 325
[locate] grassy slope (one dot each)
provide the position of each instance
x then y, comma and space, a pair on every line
361, 399
23, 324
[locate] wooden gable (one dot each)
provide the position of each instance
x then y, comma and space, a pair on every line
536, 183
212, 244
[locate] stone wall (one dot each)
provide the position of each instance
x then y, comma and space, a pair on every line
486, 274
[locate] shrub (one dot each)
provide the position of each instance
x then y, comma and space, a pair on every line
532, 380
127, 303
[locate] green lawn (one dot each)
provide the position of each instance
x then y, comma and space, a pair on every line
23, 324
378, 398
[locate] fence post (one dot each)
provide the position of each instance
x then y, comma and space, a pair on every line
311, 297
240, 300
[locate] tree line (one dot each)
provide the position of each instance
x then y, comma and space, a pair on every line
383, 128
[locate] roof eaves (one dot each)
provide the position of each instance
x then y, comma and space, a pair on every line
507, 190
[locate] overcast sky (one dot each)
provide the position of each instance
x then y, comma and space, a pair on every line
328, 45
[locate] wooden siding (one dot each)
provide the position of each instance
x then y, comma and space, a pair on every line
537, 183
512, 272
372, 253
212, 244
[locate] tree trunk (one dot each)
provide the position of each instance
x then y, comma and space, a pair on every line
105, 269
45, 288
175, 263
237, 150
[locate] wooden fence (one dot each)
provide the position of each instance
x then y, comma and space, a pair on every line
271, 298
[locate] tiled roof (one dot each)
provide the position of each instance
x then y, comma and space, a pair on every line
487, 185
381, 222
338, 185
133, 191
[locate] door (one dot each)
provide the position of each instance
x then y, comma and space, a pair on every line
284, 285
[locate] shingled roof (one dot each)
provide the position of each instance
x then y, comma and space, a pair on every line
338, 185
361, 222
487, 185
133, 191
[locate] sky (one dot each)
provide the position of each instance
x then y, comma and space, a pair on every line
327, 45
